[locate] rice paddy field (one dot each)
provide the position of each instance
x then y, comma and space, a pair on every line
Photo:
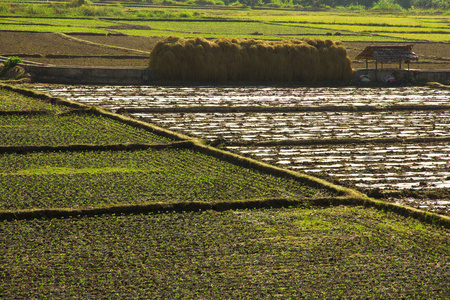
170, 220
373, 139
222, 198
292, 253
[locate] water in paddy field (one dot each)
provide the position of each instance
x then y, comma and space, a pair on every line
254, 115
115, 97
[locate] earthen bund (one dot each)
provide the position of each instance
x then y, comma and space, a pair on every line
89, 75
142, 76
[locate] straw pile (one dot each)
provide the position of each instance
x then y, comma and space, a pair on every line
224, 59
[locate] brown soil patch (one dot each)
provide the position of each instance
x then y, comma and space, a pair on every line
126, 41
431, 55
45, 44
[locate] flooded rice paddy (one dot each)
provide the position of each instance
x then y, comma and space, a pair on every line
115, 97
257, 126
368, 166
251, 120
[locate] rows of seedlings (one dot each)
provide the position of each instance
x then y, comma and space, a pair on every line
252, 120
294, 253
14, 103
70, 128
99, 178
76, 159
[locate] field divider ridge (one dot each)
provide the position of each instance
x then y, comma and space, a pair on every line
154, 207
324, 108
343, 141
71, 38
195, 206
93, 147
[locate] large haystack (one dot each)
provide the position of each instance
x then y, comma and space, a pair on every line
223, 59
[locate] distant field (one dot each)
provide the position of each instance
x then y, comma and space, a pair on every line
270, 24
139, 27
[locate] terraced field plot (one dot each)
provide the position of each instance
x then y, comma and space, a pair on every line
164, 223
368, 166
258, 127
51, 130
332, 253
86, 157
308, 129
12, 102
144, 97
89, 179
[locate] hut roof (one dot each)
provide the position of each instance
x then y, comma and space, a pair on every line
387, 54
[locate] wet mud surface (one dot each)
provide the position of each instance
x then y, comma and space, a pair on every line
115, 97
251, 121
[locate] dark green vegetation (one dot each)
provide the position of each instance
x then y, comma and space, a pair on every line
84, 179
331, 253
13, 103
51, 130
27, 121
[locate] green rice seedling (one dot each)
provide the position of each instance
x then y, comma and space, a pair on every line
50, 130
95, 178
336, 252
13, 102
